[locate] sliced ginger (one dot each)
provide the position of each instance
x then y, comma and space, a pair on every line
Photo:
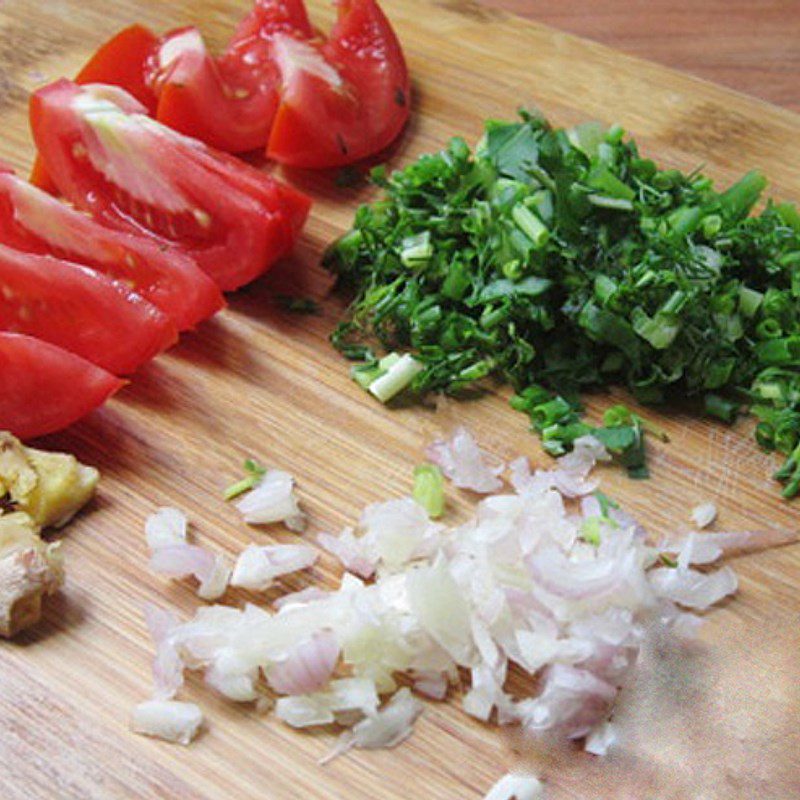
30, 568
37, 490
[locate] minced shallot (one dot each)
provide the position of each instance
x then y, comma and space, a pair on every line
167, 719
273, 500
545, 578
171, 554
465, 464
516, 786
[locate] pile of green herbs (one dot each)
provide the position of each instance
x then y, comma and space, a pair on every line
560, 260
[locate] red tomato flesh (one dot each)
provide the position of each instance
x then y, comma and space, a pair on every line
342, 100
44, 388
35, 222
228, 102
134, 174
80, 310
124, 61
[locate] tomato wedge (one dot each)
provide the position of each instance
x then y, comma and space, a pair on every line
229, 102
44, 388
342, 100
124, 60
35, 222
80, 310
134, 174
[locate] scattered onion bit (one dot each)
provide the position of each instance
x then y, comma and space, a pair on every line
516, 786
704, 514
167, 719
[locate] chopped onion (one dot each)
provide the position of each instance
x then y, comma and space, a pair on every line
172, 555
307, 595
214, 583
308, 666
705, 548
385, 728
704, 514
344, 695
273, 500
572, 701
257, 567
350, 551
166, 527
464, 463
393, 534
235, 684
431, 684
516, 786
167, 719
601, 739
182, 560
522, 583
691, 588
167, 664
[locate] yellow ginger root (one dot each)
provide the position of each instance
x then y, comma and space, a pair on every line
37, 490
30, 568
49, 487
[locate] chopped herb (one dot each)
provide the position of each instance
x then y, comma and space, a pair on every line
590, 531
255, 472
562, 260
299, 305
429, 489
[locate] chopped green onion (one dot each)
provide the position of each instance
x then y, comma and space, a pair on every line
417, 250
590, 531
299, 305
530, 225
396, 378
429, 489
721, 408
255, 473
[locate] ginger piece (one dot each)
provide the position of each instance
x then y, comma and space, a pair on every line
41, 490
49, 487
29, 569
17, 476
64, 487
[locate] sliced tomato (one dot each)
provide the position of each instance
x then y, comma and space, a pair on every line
41, 179
80, 310
125, 61
35, 222
44, 388
134, 174
344, 99
228, 102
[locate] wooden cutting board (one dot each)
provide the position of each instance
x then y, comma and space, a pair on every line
716, 721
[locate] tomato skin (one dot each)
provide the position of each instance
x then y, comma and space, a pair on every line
229, 102
232, 219
41, 179
44, 388
124, 61
319, 125
35, 222
80, 310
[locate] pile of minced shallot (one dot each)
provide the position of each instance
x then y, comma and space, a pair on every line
549, 576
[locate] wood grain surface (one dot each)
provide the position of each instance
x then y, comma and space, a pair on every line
716, 721
753, 47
